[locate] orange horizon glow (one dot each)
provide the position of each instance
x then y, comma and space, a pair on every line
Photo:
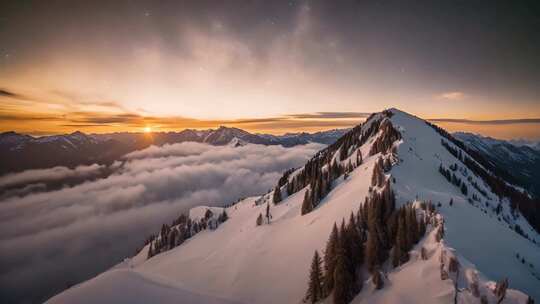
51, 123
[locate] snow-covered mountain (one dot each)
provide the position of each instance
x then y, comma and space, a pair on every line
20, 152
519, 159
387, 180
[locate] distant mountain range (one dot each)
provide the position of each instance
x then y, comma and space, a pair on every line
20, 152
520, 159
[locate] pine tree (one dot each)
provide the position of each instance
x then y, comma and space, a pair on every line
377, 244
372, 251
464, 189
377, 279
407, 223
268, 215
356, 248
399, 246
151, 250
315, 194
375, 176
307, 205
224, 216
500, 290
343, 152
377, 179
291, 187
413, 226
355, 253
315, 291
330, 260
172, 238
342, 280
277, 195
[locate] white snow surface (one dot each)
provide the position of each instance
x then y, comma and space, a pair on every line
243, 263
488, 243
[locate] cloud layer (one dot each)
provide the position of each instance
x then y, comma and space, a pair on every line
49, 240
51, 174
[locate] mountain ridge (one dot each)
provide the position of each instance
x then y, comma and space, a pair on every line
254, 264
20, 152
521, 160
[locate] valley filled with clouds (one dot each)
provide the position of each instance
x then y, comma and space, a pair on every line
72, 233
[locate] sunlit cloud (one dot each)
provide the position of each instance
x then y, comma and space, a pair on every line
112, 117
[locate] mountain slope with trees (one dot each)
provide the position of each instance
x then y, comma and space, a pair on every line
372, 218
521, 161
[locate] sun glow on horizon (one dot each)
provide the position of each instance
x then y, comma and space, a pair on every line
147, 129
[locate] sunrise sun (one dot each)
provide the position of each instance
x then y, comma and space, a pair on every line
147, 129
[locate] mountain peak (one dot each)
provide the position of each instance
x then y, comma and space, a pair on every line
78, 133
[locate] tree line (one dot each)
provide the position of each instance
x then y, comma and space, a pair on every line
519, 200
182, 229
325, 166
375, 233
453, 179
494, 177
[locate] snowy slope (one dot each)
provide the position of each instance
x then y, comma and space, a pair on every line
481, 238
242, 262
245, 263
126, 286
419, 281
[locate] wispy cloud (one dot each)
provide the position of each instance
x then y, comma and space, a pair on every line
489, 122
454, 95
111, 121
10, 94
330, 115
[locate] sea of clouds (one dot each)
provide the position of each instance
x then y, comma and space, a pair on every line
50, 240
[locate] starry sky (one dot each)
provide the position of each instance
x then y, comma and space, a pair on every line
268, 66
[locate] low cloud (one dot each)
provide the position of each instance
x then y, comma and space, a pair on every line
50, 174
49, 240
455, 95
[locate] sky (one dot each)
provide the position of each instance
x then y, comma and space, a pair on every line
268, 66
